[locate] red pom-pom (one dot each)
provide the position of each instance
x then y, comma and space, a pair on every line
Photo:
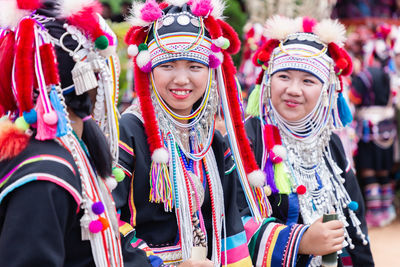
12, 140
341, 63
87, 19
274, 158
308, 24
7, 100
28, 4
264, 56
301, 190
349, 69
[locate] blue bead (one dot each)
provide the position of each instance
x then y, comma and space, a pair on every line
30, 116
353, 205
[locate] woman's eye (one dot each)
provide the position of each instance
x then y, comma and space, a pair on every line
196, 67
283, 76
166, 66
308, 81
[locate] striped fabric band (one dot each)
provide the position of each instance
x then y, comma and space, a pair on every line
300, 57
126, 148
236, 250
43, 177
179, 41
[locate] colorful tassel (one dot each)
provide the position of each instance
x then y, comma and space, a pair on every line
62, 124
281, 179
344, 111
253, 104
160, 185
44, 130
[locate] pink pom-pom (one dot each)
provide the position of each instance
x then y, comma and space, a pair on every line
150, 11
213, 61
215, 48
201, 8
50, 118
308, 24
146, 68
274, 158
95, 226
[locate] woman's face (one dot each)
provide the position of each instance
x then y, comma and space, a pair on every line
180, 84
294, 93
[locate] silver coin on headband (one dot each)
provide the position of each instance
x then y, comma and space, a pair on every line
183, 20
168, 21
195, 22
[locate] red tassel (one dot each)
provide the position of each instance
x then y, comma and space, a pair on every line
44, 131
269, 137
246, 152
349, 69
163, 5
213, 27
24, 64
277, 135
128, 36
233, 37
12, 140
146, 107
7, 100
339, 54
49, 64
28, 4
87, 20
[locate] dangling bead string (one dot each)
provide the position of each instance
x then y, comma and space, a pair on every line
194, 45
193, 114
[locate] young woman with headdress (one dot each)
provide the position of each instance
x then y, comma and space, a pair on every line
182, 193
296, 106
56, 165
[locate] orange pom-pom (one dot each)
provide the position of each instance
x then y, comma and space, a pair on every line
264, 56
104, 222
12, 140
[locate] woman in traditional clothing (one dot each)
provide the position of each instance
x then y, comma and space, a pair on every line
295, 107
181, 195
56, 173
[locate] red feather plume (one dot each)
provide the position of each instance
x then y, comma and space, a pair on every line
12, 140
137, 37
265, 51
49, 64
339, 55
7, 100
233, 37
213, 27
87, 20
129, 34
24, 64
146, 107
28, 4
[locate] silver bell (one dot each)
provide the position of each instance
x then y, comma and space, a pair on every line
83, 77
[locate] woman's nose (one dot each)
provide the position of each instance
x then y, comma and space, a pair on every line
294, 89
181, 77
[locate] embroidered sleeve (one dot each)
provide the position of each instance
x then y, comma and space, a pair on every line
271, 243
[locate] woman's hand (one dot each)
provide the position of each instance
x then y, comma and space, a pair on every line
194, 263
322, 238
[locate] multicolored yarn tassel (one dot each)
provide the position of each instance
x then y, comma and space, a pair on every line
160, 185
62, 126
282, 179
263, 204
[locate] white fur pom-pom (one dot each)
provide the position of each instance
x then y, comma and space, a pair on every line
135, 15
111, 183
220, 41
179, 3
133, 50
218, 8
279, 27
331, 31
280, 151
70, 7
160, 155
109, 51
256, 178
10, 15
143, 58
